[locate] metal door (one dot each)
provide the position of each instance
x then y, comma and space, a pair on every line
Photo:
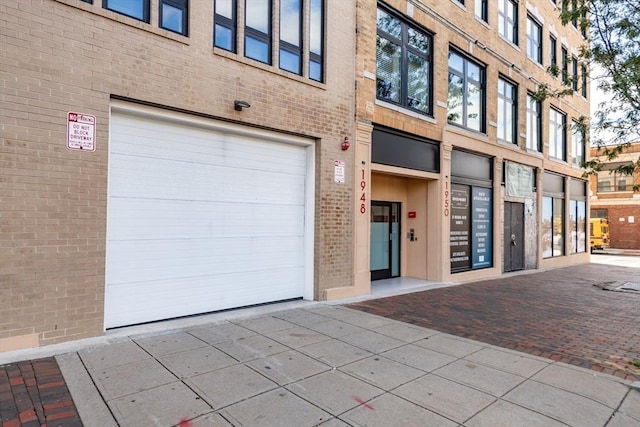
513, 236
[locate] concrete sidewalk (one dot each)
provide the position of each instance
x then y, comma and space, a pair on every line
321, 364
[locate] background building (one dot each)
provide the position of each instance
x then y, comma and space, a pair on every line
612, 197
138, 184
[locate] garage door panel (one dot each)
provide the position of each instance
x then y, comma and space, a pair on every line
201, 220
198, 295
149, 219
167, 179
140, 261
201, 147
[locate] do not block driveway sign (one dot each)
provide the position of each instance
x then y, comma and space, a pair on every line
81, 132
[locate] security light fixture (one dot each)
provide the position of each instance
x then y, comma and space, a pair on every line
239, 105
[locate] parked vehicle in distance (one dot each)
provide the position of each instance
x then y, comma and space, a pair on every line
599, 233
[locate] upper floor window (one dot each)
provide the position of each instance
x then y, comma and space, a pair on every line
224, 33
534, 40
138, 9
578, 145
482, 11
508, 20
257, 30
553, 54
173, 15
534, 124
507, 112
584, 80
296, 18
557, 134
574, 72
565, 65
466, 100
291, 35
316, 30
403, 61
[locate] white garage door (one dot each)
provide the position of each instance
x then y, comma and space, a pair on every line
203, 216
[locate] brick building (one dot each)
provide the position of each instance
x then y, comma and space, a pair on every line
186, 199
163, 158
612, 197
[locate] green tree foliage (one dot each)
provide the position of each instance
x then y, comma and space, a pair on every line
613, 46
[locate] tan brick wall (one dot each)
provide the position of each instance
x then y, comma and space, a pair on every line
58, 56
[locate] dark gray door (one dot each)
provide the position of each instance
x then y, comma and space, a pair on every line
513, 236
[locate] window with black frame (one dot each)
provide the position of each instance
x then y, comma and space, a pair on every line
578, 217
534, 124
138, 9
534, 39
224, 18
508, 20
557, 134
553, 218
507, 112
403, 63
466, 92
173, 16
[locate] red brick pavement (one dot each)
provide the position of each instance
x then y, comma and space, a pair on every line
557, 314
33, 393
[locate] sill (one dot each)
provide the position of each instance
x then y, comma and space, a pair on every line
512, 44
553, 159
536, 63
535, 153
460, 5
460, 130
266, 67
508, 145
406, 111
482, 21
97, 9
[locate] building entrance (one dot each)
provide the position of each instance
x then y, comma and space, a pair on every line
385, 240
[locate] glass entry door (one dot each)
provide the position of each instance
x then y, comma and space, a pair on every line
385, 240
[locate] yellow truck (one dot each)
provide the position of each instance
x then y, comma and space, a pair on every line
599, 232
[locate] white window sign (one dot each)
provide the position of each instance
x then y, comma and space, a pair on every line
81, 132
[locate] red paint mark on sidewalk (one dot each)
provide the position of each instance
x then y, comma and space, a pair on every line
362, 402
184, 423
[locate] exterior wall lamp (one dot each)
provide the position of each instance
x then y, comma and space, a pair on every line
239, 105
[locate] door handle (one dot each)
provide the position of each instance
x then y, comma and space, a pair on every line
513, 239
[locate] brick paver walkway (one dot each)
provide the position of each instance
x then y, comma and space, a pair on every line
556, 314
33, 393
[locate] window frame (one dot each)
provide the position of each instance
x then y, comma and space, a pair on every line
405, 50
534, 115
315, 57
146, 10
578, 144
482, 10
503, 15
504, 104
534, 41
576, 207
483, 90
553, 54
288, 47
574, 71
564, 52
183, 5
228, 23
258, 35
557, 131
559, 236
584, 80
